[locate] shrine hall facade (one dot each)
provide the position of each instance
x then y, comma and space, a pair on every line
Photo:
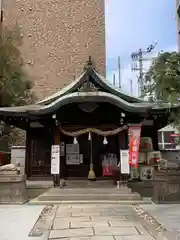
88, 104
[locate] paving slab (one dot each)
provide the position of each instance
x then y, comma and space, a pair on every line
82, 224
70, 219
83, 214
143, 237
78, 232
119, 231
108, 218
116, 223
61, 224
89, 238
94, 238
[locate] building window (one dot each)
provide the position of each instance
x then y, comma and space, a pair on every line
164, 140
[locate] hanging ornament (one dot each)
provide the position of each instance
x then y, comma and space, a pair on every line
75, 140
89, 136
121, 121
105, 141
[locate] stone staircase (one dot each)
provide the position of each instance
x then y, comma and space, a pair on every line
88, 192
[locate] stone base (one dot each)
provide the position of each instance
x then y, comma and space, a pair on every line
166, 187
13, 189
57, 195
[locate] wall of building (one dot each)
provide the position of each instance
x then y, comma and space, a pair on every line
58, 36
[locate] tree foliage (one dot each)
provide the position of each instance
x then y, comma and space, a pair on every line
15, 85
163, 81
163, 78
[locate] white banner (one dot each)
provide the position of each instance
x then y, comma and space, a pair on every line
55, 159
124, 158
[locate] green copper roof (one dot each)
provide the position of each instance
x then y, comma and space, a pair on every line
100, 80
99, 91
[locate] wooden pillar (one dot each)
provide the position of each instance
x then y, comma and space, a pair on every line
28, 154
57, 142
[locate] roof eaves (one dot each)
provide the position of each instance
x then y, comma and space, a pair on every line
117, 90
91, 96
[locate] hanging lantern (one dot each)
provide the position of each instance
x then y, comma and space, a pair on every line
89, 136
121, 121
105, 141
75, 140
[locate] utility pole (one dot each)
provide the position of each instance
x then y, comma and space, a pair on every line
114, 79
119, 71
131, 87
137, 64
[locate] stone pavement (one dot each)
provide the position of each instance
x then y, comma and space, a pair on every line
16, 221
168, 215
94, 222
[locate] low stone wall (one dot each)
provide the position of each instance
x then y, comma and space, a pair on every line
166, 187
13, 189
144, 188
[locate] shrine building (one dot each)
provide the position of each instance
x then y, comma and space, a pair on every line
89, 107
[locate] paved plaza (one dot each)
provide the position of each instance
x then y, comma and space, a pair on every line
92, 222
83, 222
166, 214
17, 221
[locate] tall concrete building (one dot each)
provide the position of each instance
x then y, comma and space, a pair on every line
178, 23
58, 36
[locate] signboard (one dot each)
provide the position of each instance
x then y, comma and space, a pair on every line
134, 141
124, 157
72, 148
55, 159
72, 159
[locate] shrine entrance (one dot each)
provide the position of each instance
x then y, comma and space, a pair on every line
77, 157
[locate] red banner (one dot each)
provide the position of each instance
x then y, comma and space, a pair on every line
134, 142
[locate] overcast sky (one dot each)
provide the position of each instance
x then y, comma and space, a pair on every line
134, 24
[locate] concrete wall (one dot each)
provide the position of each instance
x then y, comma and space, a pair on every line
58, 36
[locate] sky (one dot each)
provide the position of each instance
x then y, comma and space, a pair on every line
134, 24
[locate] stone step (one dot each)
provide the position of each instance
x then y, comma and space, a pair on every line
92, 194
36, 201
121, 190
89, 197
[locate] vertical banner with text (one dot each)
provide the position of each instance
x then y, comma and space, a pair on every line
55, 159
134, 142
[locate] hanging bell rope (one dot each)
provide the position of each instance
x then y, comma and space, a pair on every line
93, 130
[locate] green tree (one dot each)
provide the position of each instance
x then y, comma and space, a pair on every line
163, 81
15, 85
163, 78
